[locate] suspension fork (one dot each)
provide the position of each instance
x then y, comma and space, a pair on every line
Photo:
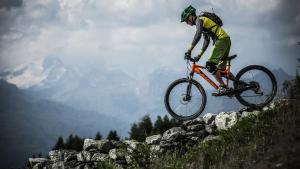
189, 87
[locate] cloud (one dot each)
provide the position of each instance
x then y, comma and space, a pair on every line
81, 30
122, 33
10, 3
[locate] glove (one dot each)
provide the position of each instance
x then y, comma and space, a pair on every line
197, 58
187, 55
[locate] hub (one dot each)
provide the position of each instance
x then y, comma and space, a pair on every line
185, 99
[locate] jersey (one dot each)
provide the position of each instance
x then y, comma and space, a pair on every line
209, 29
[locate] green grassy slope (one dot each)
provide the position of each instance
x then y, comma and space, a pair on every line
269, 140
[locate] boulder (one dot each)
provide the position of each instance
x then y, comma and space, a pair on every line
40, 161
103, 146
198, 120
58, 164
84, 156
38, 166
118, 155
272, 105
71, 156
195, 127
99, 157
169, 144
211, 138
225, 120
199, 134
249, 113
155, 148
173, 134
155, 139
132, 145
62, 155
128, 159
195, 139
211, 129
209, 118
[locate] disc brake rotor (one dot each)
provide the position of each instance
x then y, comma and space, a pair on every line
184, 99
256, 87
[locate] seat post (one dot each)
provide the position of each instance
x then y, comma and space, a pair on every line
229, 63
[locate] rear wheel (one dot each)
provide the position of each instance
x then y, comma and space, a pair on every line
257, 86
185, 99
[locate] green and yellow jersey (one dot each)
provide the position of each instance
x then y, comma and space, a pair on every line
209, 29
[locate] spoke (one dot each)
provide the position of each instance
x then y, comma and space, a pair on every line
178, 107
188, 108
252, 96
261, 99
268, 91
185, 110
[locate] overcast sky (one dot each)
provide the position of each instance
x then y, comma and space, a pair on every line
139, 36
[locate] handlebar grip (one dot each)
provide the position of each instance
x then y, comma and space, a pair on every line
192, 59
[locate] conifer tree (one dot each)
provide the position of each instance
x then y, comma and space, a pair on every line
59, 144
135, 132
98, 136
146, 125
113, 135
158, 126
77, 143
70, 142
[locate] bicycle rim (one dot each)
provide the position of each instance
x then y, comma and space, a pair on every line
177, 103
264, 86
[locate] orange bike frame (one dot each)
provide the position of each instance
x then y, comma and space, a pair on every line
197, 68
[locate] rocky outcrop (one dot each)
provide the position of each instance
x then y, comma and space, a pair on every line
96, 153
225, 120
104, 146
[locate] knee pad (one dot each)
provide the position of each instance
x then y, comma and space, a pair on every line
211, 67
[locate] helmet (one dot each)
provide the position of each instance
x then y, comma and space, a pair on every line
190, 10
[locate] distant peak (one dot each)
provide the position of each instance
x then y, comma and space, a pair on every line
52, 61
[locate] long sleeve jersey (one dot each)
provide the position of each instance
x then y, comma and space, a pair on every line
209, 29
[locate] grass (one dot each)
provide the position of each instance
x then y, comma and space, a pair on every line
269, 140
261, 141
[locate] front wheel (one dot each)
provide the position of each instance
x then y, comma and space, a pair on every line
185, 99
256, 86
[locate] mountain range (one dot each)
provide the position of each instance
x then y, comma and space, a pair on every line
44, 99
29, 125
110, 92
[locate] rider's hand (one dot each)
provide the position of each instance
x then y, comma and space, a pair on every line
197, 58
187, 55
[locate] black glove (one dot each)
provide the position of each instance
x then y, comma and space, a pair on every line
187, 55
197, 58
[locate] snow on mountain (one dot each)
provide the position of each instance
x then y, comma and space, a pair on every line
90, 87
111, 92
35, 72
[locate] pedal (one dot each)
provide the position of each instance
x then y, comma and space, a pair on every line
228, 92
215, 94
219, 94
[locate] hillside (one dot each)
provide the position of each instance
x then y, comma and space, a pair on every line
30, 125
253, 139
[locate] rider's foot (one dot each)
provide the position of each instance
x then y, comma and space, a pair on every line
222, 90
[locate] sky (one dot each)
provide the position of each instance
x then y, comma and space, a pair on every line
141, 36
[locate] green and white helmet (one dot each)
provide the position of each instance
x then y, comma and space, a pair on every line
188, 11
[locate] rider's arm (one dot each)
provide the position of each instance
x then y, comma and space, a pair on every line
197, 35
205, 43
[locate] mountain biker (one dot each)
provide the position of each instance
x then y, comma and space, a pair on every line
221, 44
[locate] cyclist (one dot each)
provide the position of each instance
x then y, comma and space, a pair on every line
221, 44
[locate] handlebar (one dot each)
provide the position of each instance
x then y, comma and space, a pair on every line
190, 59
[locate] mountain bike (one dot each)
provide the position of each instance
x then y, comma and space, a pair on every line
254, 86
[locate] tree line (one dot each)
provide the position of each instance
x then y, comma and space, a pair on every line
138, 131
76, 142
